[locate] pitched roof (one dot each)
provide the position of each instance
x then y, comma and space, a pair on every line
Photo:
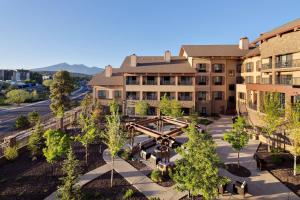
100, 79
213, 50
253, 52
156, 64
279, 30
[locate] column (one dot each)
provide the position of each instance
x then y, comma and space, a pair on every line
273, 70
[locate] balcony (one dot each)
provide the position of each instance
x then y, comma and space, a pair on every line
132, 96
266, 66
169, 95
185, 98
132, 80
185, 81
218, 68
149, 80
288, 63
266, 81
284, 80
150, 96
167, 81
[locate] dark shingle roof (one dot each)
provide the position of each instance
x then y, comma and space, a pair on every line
156, 64
100, 79
213, 50
253, 52
279, 30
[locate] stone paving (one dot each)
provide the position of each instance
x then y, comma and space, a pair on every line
261, 185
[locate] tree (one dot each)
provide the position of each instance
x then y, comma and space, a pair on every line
47, 83
114, 106
141, 108
36, 140
176, 109
114, 135
17, 96
60, 90
22, 122
272, 114
57, 143
197, 171
33, 117
237, 137
68, 190
36, 77
165, 106
89, 131
293, 129
86, 103
34, 96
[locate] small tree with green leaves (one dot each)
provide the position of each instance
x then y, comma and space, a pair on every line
11, 153
36, 140
33, 117
114, 106
57, 143
34, 95
22, 122
114, 135
60, 90
237, 137
293, 129
197, 171
68, 190
141, 108
89, 131
176, 109
17, 96
47, 83
165, 106
272, 117
86, 103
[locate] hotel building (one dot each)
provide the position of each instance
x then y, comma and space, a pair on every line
209, 78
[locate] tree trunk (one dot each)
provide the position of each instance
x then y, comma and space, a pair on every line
295, 165
189, 194
86, 154
238, 159
61, 123
269, 146
112, 172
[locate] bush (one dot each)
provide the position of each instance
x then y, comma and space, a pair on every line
22, 122
3, 101
204, 121
11, 153
36, 140
156, 176
129, 193
125, 154
33, 117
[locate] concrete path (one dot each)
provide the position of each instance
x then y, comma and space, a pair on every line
262, 185
86, 178
142, 182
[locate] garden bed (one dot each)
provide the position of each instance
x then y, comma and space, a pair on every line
281, 166
100, 188
25, 178
238, 170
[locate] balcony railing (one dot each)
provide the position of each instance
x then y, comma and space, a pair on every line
284, 81
266, 66
149, 82
265, 81
149, 97
185, 82
132, 97
185, 98
132, 82
167, 82
288, 63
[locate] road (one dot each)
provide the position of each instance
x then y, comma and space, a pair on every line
8, 117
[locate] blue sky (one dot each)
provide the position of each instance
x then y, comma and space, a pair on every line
36, 33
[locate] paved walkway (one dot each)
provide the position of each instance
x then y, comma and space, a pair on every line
141, 182
88, 177
261, 185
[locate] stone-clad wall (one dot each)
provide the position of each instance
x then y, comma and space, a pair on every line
284, 44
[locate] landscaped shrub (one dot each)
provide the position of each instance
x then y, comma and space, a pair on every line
125, 154
36, 140
276, 158
129, 193
33, 117
156, 176
22, 122
11, 153
204, 121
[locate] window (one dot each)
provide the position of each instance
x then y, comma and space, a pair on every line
218, 95
102, 94
284, 60
239, 68
202, 95
185, 80
258, 66
117, 94
242, 95
218, 68
202, 80
249, 67
201, 67
203, 111
185, 96
218, 80
132, 80
232, 87
231, 73
257, 79
249, 79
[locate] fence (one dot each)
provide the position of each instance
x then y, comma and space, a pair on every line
48, 121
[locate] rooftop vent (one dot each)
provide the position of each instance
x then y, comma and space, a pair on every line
244, 43
133, 60
167, 56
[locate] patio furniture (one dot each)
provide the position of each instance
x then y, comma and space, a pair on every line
144, 154
154, 158
240, 188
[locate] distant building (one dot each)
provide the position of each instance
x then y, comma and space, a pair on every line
22, 75
47, 77
14, 75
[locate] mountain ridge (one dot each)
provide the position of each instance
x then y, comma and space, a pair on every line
74, 68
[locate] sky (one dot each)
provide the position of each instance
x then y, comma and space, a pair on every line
38, 33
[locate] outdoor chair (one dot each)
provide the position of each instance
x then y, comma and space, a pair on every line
144, 154
240, 188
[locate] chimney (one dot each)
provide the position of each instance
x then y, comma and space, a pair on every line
133, 61
167, 56
108, 71
244, 43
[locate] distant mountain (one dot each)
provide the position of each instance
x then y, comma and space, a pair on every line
77, 68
